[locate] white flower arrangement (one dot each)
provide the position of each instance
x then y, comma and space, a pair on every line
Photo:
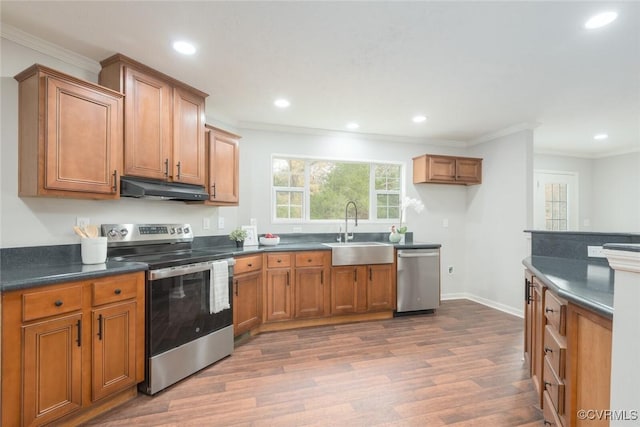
408, 202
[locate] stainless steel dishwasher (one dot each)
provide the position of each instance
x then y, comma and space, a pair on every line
418, 280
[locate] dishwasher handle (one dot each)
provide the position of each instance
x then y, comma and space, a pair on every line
418, 255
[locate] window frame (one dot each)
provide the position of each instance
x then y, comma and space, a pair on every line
373, 213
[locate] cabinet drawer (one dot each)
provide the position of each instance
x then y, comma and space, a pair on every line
555, 348
555, 310
554, 386
550, 415
113, 289
310, 259
39, 304
278, 260
247, 264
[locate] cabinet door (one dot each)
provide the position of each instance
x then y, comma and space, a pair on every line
247, 302
469, 170
223, 168
51, 369
278, 304
83, 139
537, 351
441, 168
310, 291
380, 294
188, 138
114, 349
344, 289
148, 126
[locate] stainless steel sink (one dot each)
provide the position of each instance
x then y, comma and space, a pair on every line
358, 253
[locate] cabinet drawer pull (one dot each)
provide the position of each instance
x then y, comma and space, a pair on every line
100, 327
117, 291
548, 423
547, 350
279, 260
166, 168
249, 265
178, 165
548, 310
115, 181
547, 383
309, 260
214, 190
58, 303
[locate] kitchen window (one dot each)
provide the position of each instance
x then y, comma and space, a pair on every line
307, 190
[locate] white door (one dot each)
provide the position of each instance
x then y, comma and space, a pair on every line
555, 200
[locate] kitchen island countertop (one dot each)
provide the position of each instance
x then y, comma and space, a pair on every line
588, 284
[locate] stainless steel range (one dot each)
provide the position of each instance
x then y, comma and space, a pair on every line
188, 306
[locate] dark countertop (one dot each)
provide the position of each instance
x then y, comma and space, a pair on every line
628, 247
31, 273
19, 276
588, 284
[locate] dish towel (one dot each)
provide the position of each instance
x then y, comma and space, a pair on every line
219, 287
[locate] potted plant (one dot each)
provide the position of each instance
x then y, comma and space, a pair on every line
238, 235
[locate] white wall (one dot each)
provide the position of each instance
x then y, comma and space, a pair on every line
497, 213
616, 193
583, 167
47, 221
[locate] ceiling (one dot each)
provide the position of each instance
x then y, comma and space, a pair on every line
473, 68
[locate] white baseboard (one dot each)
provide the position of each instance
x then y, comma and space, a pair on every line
489, 303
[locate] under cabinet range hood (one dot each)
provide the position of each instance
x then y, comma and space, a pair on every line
160, 190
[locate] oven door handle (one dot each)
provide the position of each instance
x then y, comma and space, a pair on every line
181, 270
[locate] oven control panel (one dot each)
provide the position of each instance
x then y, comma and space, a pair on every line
121, 234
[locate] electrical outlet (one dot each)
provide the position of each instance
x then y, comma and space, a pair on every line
82, 221
595, 252
445, 223
220, 222
297, 229
206, 223
451, 269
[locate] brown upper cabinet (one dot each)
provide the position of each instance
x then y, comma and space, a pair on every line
164, 134
70, 136
223, 161
447, 170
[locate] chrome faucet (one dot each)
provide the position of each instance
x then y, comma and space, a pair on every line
346, 218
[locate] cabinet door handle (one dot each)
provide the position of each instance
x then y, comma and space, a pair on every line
370, 273
115, 181
166, 168
117, 291
249, 265
79, 340
547, 423
100, 327
236, 287
548, 350
279, 260
322, 277
355, 275
214, 190
287, 278
58, 303
547, 383
548, 310
178, 165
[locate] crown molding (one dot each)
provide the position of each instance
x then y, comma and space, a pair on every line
591, 156
503, 132
353, 135
20, 37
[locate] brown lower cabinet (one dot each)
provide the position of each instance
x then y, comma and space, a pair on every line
362, 288
570, 356
69, 347
247, 293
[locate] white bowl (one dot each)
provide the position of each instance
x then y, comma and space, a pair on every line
269, 241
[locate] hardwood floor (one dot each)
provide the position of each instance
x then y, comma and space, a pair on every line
461, 366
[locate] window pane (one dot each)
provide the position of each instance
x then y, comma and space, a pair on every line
281, 179
296, 212
296, 198
282, 197
282, 212
336, 183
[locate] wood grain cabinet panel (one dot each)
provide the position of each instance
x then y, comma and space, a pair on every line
344, 289
223, 167
70, 136
164, 122
247, 301
381, 287
72, 364
436, 169
278, 295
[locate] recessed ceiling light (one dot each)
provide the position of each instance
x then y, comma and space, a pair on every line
281, 103
419, 119
185, 48
600, 136
600, 20
352, 126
